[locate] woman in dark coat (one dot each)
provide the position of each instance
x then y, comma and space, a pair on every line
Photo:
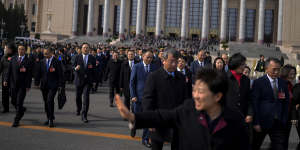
9, 51
202, 123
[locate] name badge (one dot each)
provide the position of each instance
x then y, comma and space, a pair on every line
52, 69
186, 79
281, 95
90, 66
22, 69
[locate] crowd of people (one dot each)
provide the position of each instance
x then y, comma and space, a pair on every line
188, 99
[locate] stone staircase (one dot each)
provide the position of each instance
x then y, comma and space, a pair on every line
82, 39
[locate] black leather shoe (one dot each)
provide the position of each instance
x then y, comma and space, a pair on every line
5, 111
78, 113
15, 124
84, 119
111, 105
46, 123
132, 132
147, 144
51, 124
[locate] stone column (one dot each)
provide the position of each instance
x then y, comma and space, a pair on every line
279, 31
158, 18
106, 18
224, 20
122, 19
14, 3
26, 6
139, 17
261, 21
184, 19
205, 21
90, 21
75, 18
242, 25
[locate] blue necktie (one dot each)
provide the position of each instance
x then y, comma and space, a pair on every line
48, 61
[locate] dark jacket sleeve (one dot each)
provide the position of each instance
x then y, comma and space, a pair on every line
121, 82
255, 94
295, 101
156, 119
60, 74
149, 97
133, 82
249, 100
29, 73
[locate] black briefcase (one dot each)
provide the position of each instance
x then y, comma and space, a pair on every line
61, 98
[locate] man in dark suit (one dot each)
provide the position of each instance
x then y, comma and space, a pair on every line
139, 56
138, 77
126, 69
181, 67
99, 68
112, 74
238, 95
85, 75
19, 78
199, 63
164, 89
51, 76
270, 104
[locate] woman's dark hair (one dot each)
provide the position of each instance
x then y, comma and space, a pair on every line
215, 61
236, 60
13, 48
215, 80
248, 68
285, 70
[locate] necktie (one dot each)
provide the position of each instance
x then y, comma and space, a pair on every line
84, 59
147, 68
130, 64
19, 60
48, 61
275, 89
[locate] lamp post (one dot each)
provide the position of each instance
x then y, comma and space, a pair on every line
22, 26
2, 25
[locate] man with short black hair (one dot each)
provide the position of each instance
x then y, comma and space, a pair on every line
85, 75
19, 77
199, 63
112, 74
50, 74
270, 104
164, 89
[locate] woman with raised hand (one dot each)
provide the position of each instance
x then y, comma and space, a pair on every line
203, 122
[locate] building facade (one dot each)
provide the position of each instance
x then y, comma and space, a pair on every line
271, 21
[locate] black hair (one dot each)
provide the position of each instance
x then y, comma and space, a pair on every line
248, 68
215, 80
84, 44
215, 61
236, 60
174, 53
285, 70
276, 60
13, 47
146, 51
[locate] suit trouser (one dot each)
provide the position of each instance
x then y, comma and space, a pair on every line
18, 95
112, 92
137, 107
277, 134
5, 98
85, 90
48, 97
